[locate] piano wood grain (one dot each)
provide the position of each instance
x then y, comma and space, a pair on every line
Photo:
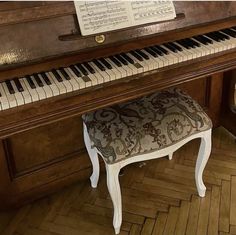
71, 104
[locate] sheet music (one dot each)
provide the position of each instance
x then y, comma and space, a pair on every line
102, 16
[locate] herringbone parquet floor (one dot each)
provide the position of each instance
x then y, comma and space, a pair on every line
158, 198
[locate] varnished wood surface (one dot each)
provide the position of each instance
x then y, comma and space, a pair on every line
46, 22
58, 108
158, 198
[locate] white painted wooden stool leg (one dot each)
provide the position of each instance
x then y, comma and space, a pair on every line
170, 156
203, 155
93, 157
115, 193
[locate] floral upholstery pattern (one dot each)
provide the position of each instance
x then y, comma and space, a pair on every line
147, 124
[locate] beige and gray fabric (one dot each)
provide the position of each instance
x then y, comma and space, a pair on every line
144, 125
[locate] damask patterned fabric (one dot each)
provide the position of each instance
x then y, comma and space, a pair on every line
145, 125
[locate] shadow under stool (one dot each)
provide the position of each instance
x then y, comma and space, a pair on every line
151, 127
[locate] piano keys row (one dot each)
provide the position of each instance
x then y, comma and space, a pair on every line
39, 86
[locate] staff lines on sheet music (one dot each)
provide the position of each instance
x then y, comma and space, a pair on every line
103, 14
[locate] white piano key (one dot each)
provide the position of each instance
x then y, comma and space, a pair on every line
53, 86
33, 93
99, 77
39, 90
18, 95
115, 69
26, 95
73, 82
173, 59
78, 79
93, 79
60, 85
106, 77
10, 97
65, 82
47, 89
3, 99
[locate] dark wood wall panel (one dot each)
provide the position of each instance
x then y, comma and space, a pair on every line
228, 118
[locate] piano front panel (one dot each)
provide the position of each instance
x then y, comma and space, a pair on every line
44, 34
44, 145
41, 146
43, 159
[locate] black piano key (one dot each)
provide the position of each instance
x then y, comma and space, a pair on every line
229, 32
189, 42
57, 75
183, 43
45, 78
104, 62
151, 52
89, 67
115, 61
99, 65
38, 80
176, 46
145, 56
170, 47
234, 27
64, 73
204, 39
30, 81
10, 87
121, 59
82, 69
194, 42
75, 70
160, 53
218, 36
163, 50
125, 56
213, 37
18, 85
201, 40
207, 39
136, 55
223, 36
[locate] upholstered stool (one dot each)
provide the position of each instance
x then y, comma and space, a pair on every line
151, 127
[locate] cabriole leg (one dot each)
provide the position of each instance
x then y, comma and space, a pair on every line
203, 155
115, 193
93, 157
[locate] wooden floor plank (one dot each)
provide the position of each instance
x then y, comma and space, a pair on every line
171, 221
233, 201
135, 229
193, 215
148, 226
204, 214
214, 211
183, 218
160, 224
19, 216
224, 219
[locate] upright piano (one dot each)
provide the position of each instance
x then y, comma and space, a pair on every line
50, 75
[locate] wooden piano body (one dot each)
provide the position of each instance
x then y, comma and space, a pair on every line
41, 148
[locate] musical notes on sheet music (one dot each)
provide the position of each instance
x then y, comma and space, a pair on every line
102, 16
149, 11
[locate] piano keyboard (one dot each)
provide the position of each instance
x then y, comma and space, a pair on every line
43, 85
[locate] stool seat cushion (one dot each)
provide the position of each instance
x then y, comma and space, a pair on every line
144, 125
